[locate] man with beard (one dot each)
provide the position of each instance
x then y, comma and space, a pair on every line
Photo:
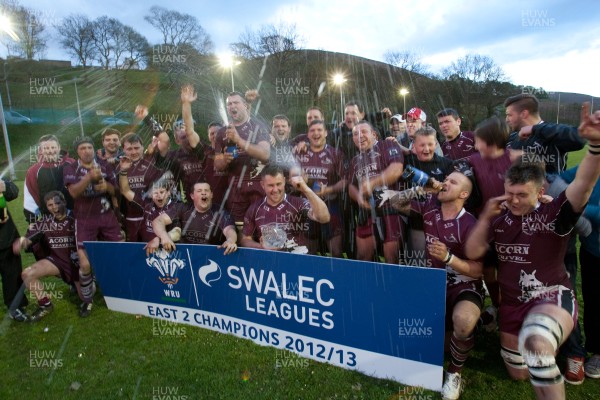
242, 149
447, 227
111, 147
92, 185
541, 141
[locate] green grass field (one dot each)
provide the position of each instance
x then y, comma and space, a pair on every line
112, 355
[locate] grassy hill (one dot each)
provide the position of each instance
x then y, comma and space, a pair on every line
117, 356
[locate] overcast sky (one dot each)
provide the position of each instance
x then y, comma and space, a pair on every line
554, 44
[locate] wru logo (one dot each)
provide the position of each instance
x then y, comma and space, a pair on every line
167, 265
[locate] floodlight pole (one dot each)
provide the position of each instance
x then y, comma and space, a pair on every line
11, 165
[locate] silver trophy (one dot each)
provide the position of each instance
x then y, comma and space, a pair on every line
273, 237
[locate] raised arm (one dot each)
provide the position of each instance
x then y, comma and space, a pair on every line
579, 191
188, 96
318, 209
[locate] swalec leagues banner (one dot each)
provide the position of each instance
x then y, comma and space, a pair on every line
382, 320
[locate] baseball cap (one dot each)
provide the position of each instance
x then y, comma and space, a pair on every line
397, 117
416, 113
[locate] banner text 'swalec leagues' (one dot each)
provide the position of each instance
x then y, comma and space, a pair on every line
379, 319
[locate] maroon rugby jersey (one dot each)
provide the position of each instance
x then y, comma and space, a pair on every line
373, 162
489, 174
531, 250
91, 203
200, 227
151, 211
218, 180
291, 216
453, 233
461, 147
141, 175
59, 238
243, 165
325, 166
187, 166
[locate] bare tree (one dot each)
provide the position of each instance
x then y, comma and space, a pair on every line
136, 47
29, 29
118, 37
475, 68
180, 29
406, 60
76, 33
279, 43
268, 40
477, 84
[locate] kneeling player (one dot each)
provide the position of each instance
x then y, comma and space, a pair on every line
538, 307
57, 233
446, 226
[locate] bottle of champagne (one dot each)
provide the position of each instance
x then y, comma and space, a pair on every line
418, 177
3, 210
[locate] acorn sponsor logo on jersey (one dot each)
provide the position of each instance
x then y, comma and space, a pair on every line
61, 242
513, 252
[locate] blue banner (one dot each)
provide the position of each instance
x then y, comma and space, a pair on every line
382, 320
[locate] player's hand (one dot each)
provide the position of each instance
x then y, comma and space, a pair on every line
494, 207
17, 246
301, 147
298, 183
438, 250
188, 94
140, 112
589, 127
101, 187
232, 135
152, 246
525, 132
125, 163
228, 157
229, 247
436, 185
95, 174
546, 198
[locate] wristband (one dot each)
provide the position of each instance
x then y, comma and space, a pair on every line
594, 153
594, 146
451, 259
123, 173
448, 258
